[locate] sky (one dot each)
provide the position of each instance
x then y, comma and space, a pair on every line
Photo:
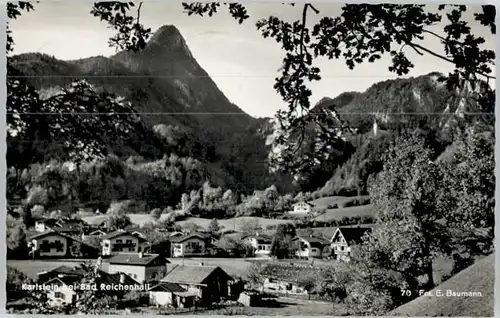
240, 61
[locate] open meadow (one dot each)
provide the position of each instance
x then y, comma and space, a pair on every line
340, 201
339, 213
232, 223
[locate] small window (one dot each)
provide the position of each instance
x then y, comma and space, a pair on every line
118, 241
135, 275
129, 242
59, 295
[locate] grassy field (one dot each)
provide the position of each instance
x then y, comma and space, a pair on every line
337, 214
283, 306
326, 201
233, 223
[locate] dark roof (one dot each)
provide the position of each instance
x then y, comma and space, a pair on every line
308, 203
96, 230
167, 287
102, 278
66, 280
63, 269
67, 228
119, 233
179, 239
322, 232
46, 233
288, 272
73, 221
313, 240
260, 238
176, 234
138, 233
47, 220
114, 279
190, 274
134, 259
353, 234
157, 244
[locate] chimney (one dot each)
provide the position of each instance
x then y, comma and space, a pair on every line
122, 278
141, 255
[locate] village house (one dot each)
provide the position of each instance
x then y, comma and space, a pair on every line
312, 247
176, 234
120, 242
62, 270
302, 207
68, 229
344, 238
189, 245
65, 281
95, 233
139, 234
208, 283
261, 244
44, 224
288, 279
139, 266
163, 248
52, 244
172, 295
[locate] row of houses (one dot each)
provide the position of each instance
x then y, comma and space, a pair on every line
311, 246
58, 244
55, 244
65, 238
165, 284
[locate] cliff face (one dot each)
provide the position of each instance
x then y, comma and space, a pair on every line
406, 101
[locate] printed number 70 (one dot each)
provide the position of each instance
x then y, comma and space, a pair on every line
405, 292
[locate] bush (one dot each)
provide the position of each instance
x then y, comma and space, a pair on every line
156, 214
37, 211
332, 206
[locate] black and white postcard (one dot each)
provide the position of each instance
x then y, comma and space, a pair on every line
265, 159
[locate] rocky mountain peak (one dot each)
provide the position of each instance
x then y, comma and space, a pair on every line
168, 37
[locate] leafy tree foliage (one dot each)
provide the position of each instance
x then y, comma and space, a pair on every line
156, 213
214, 226
470, 197
14, 281
282, 246
16, 237
250, 227
406, 199
118, 222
